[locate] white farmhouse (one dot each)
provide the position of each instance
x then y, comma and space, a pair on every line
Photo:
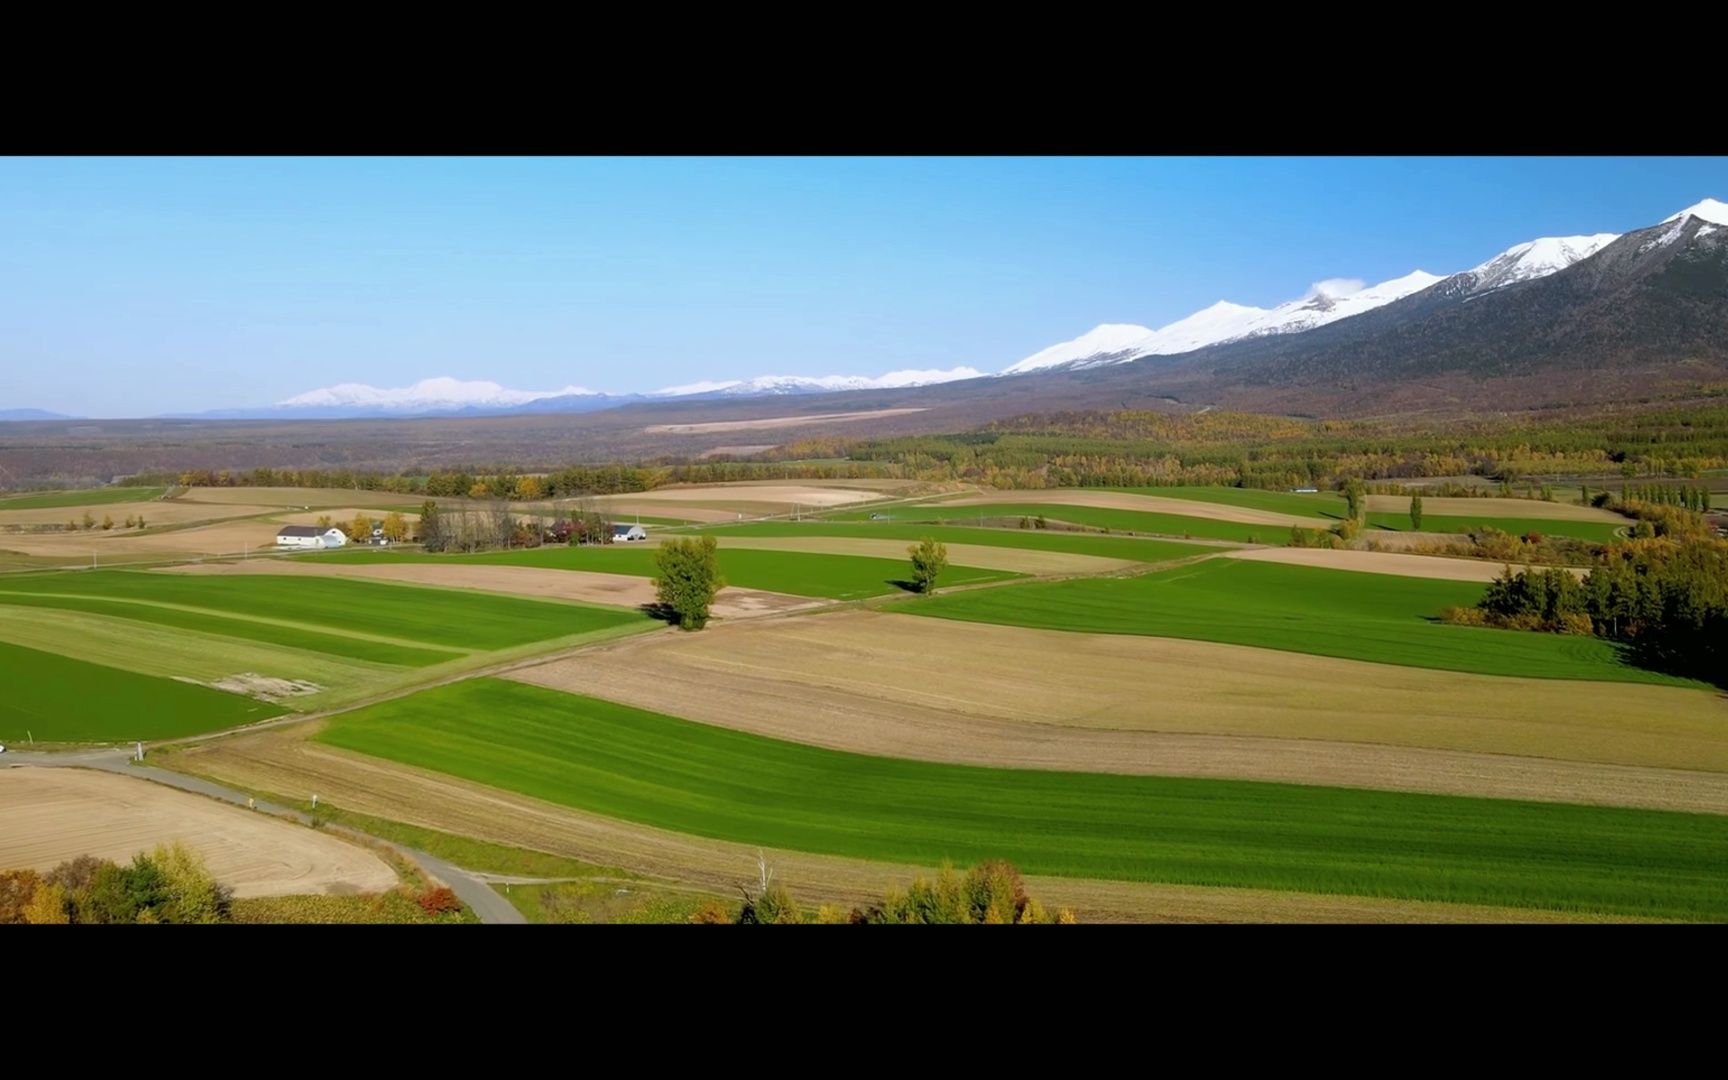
310, 536
622, 533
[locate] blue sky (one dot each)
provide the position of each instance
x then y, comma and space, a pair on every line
140, 286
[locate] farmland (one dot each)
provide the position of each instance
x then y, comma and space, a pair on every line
835, 577
1150, 727
92, 497
673, 774
109, 655
60, 814
1383, 618
57, 698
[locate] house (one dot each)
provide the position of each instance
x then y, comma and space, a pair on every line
1305, 491
310, 536
622, 533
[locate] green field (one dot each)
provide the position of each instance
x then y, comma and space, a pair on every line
58, 699
673, 774
91, 497
448, 618
801, 573
1099, 518
1601, 532
1357, 616
1105, 547
292, 635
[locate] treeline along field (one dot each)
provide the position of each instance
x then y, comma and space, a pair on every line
670, 773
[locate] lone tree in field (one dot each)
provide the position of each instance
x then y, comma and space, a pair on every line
689, 578
1416, 513
1353, 499
929, 558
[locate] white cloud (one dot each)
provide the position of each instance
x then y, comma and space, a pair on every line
1337, 287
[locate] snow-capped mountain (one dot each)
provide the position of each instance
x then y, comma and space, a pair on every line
1324, 302
1535, 259
819, 384
1713, 211
442, 394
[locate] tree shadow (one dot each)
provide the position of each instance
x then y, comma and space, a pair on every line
907, 586
662, 612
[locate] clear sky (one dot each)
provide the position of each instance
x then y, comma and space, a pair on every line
138, 286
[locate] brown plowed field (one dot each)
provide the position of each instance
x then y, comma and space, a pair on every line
1150, 504
52, 815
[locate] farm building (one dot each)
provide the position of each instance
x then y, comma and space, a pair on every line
310, 536
625, 533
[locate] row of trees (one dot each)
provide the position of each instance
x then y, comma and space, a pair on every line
990, 893
497, 526
1667, 600
169, 885
88, 522
1696, 499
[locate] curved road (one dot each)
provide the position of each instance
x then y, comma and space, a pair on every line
486, 904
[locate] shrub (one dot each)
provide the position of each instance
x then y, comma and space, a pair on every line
17, 889
438, 901
711, 913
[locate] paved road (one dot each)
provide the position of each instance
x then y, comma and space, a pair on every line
471, 890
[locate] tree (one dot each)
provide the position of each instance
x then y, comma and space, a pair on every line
1353, 499
431, 528
529, 488
689, 578
360, 528
1416, 513
140, 521
17, 889
48, 906
89, 520
324, 521
929, 559
395, 527
107, 522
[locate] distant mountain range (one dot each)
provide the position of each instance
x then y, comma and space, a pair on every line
1565, 318
32, 414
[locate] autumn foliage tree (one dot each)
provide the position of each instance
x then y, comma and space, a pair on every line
395, 527
689, 578
929, 559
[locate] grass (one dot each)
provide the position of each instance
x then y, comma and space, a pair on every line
91, 497
1107, 547
395, 907
1135, 521
1357, 616
834, 577
586, 902
59, 699
470, 854
155, 649
673, 774
239, 628
453, 618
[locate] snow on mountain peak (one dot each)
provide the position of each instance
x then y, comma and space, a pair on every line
1712, 210
1537, 258
1337, 288
1105, 340
427, 394
805, 384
